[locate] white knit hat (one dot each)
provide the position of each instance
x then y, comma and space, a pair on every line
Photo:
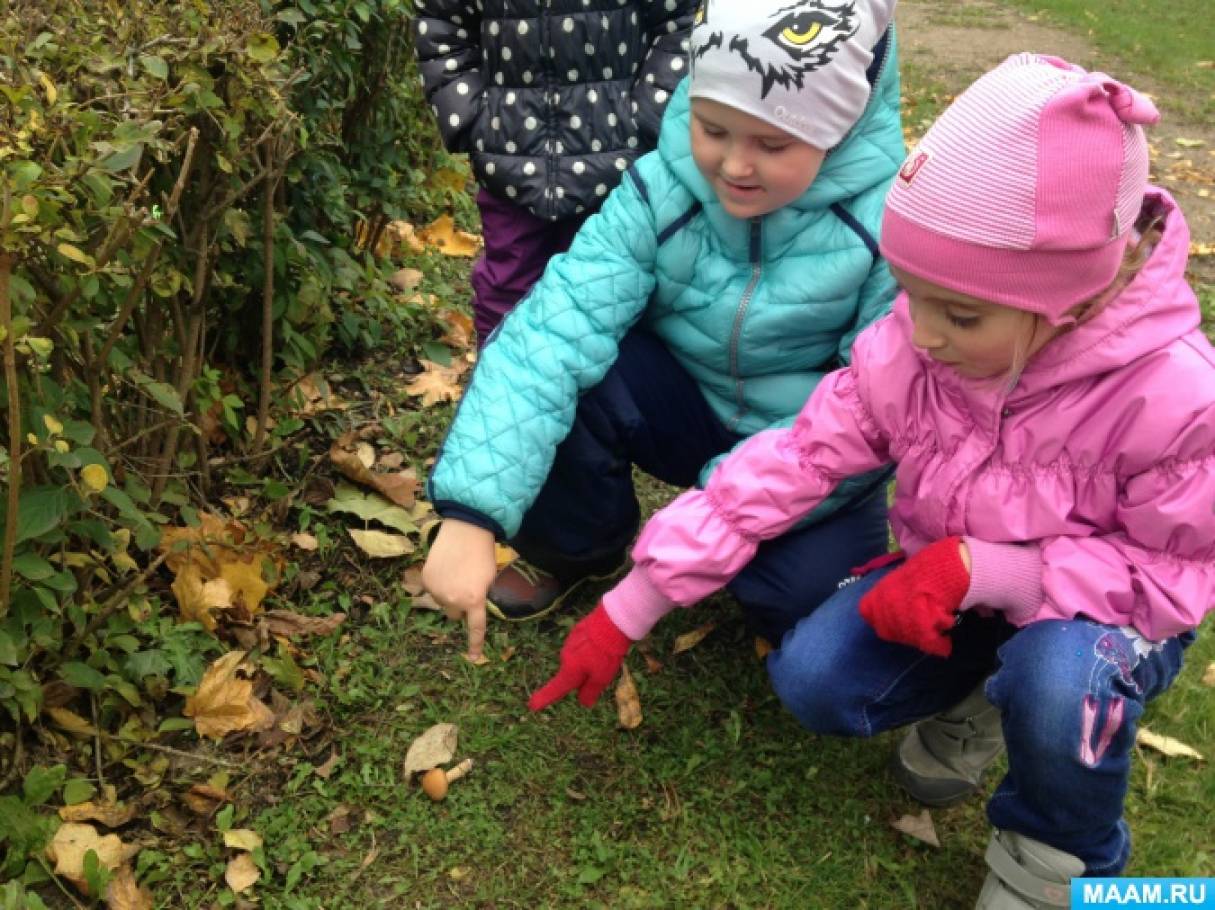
796, 64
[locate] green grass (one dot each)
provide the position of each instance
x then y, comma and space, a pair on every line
1167, 41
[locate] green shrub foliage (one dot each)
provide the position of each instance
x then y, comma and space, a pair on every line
174, 176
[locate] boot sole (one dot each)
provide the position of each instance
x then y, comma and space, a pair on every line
495, 611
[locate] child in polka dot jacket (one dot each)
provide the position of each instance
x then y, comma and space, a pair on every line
553, 100
727, 273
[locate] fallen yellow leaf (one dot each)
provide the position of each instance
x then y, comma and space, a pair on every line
442, 233
112, 815
405, 279
224, 702
242, 873
1208, 675
72, 841
242, 839
198, 600
124, 893
690, 640
71, 722
434, 384
1166, 745
381, 544
628, 702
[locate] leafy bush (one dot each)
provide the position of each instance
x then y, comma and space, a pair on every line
182, 187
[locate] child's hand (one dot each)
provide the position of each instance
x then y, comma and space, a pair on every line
917, 603
458, 572
590, 659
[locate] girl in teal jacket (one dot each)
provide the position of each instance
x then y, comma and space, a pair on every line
730, 270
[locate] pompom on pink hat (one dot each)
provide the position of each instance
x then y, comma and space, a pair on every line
1025, 190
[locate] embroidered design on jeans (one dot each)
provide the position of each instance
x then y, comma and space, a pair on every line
1090, 755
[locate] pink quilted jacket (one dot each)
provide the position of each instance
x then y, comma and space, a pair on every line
1101, 459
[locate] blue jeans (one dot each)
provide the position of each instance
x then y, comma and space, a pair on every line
649, 412
1070, 695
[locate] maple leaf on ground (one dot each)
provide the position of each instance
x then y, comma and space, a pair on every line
72, 841
124, 893
442, 233
435, 384
224, 702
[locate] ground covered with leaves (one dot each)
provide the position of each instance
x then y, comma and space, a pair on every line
295, 683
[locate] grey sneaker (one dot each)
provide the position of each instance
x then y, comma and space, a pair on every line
941, 760
1026, 874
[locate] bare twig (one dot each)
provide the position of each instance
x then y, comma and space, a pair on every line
263, 397
14, 423
179, 753
97, 742
113, 604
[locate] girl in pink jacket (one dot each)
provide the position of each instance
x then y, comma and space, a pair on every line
1049, 400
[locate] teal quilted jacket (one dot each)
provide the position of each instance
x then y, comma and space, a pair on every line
757, 311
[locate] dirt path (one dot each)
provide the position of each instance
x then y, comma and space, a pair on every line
954, 41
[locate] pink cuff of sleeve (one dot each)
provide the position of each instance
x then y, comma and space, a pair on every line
1005, 577
635, 605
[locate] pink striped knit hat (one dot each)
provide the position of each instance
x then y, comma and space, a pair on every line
1025, 190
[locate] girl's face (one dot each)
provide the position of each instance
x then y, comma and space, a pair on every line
977, 338
753, 167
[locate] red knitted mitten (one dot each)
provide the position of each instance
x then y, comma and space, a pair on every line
917, 603
590, 659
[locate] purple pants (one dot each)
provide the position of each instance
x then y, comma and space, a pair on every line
518, 246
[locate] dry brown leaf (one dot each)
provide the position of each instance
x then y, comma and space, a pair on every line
327, 767
1208, 675
628, 703
690, 640
311, 395
391, 460
381, 544
204, 799
72, 841
224, 702
124, 893
305, 541
199, 600
435, 384
245, 582
288, 624
446, 178
405, 279
442, 233
403, 234
242, 839
112, 815
411, 581
460, 330
434, 747
918, 826
242, 873
763, 647
71, 722
354, 461
1166, 745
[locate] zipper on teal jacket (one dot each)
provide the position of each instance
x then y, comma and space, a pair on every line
740, 315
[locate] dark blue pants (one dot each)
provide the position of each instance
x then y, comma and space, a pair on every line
649, 412
1069, 693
